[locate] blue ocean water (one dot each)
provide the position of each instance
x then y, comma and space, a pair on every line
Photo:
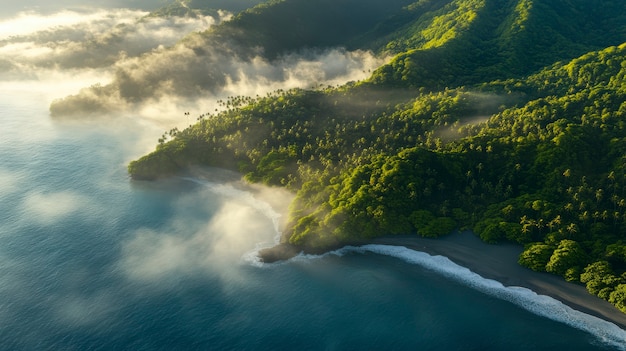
90, 260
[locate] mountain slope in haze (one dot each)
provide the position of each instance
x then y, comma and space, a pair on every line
507, 117
256, 42
436, 44
203, 7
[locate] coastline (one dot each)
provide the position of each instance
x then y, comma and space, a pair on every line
499, 262
496, 262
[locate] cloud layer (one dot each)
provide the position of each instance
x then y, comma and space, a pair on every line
139, 63
48, 208
9, 8
79, 40
187, 73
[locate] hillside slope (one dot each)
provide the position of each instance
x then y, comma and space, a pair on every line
467, 42
506, 117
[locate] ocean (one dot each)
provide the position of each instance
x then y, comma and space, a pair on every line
90, 260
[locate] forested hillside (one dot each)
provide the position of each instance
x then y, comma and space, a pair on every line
506, 117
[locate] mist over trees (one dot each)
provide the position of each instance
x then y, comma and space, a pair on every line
259, 44
504, 117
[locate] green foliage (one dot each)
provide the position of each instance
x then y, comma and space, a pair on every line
438, 227
505, 117
616, 253
599, 279
618, 297
275, 167
428, 225
421, 219
466, 42
536, 256
494, 230
567, 259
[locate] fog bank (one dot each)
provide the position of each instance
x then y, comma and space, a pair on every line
198, 70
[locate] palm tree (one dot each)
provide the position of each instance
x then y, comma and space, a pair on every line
523, 220
540, 224
596, 216
555, 222
567, 173
572, 228
599, 195
584, 216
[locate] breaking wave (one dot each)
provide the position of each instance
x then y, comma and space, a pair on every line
606, 332
545, 306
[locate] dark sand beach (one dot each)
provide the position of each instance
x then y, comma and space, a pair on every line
499, 262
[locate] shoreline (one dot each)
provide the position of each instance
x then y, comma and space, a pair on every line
496, 262
499, 263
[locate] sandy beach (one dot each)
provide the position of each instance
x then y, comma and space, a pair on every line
499, 262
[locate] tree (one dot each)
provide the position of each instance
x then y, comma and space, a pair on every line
618, 297
599, 279
567, 255
398, 159
536, 256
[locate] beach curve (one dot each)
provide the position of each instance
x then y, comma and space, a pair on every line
499, 263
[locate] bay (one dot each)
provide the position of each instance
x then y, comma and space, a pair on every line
92, 260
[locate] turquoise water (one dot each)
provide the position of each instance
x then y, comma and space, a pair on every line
92, 261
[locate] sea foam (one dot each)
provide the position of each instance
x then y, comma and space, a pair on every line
545, 306
606, 332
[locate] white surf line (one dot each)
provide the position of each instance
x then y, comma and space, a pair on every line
545, 306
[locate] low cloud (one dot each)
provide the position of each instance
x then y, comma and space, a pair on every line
9, 8
139, 64
305, 69
51, 25
189, 246
197, 70
48, 208
87, 39
79, 310
9, 182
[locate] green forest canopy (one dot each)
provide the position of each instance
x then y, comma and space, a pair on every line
506, 117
